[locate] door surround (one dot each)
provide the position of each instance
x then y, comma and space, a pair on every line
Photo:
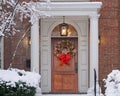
81, 26
89, 9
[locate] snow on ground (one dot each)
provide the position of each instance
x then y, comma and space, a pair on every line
62, 95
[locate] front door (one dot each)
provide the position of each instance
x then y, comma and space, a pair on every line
64, 65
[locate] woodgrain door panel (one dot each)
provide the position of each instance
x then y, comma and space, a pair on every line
65, 77
65, 83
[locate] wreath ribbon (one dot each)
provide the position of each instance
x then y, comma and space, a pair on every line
64, 59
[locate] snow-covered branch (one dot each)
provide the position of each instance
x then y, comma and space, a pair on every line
20, 10
24, 9
7, 15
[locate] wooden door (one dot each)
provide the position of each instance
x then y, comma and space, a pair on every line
64, 65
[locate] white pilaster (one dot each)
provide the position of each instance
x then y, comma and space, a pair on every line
35, 46
93, 47
2, 52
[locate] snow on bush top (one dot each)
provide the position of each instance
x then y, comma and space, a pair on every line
15, 75
112, 84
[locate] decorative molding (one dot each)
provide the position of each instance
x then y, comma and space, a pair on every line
70, 8
94, 16
80, 9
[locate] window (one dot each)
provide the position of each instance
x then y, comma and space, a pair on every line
71, 31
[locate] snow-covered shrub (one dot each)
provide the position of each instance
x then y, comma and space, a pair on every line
15, 82
112, 84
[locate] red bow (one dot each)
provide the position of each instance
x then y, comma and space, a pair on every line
64, 59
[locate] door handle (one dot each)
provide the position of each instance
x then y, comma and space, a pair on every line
76, 67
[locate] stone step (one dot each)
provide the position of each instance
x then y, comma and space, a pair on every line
61, 95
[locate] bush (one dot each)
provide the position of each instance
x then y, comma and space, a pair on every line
16, 82
112, 84
20, 89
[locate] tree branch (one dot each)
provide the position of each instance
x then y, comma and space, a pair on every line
10, 17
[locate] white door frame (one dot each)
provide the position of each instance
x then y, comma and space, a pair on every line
90, 9
81, 26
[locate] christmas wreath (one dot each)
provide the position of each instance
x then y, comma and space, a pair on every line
65, 50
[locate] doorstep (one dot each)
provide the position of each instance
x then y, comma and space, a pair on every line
61, 95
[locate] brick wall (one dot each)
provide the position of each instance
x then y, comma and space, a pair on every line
109, 30
109, 48
23, 51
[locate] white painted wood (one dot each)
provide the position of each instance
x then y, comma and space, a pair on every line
45, 57
45, 69
35, 46
71, 8
67, 9
81, 25
93, 47
83, 56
